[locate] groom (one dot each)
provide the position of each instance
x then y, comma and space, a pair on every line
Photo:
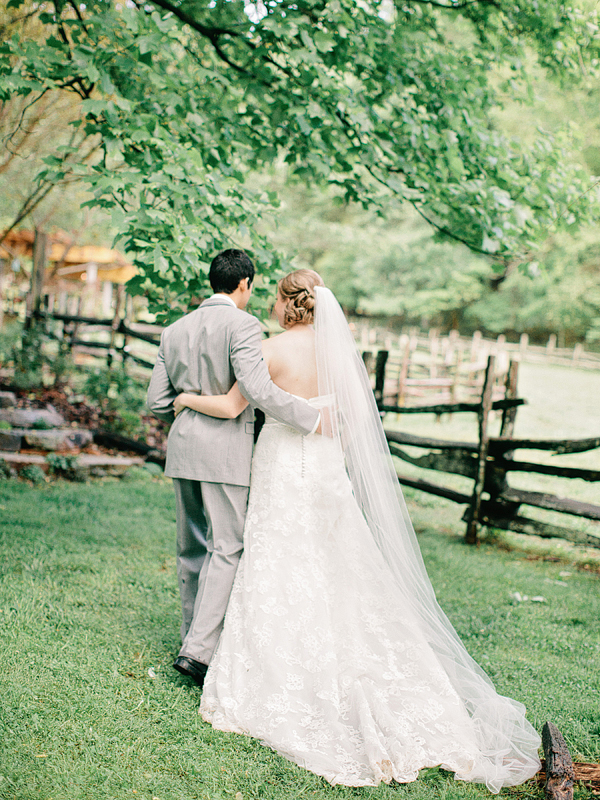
206, 351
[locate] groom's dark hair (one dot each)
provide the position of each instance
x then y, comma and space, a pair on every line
228, 269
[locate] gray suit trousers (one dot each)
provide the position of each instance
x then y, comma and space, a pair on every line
210, 527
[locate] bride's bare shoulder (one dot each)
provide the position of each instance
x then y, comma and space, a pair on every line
270, 345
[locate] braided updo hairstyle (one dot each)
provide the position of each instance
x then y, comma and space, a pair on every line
298, 292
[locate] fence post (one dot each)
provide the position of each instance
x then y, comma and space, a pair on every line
127, 314
509, 415
523, 343
382, 357
475, 345
40, 250
483, 414
403, 374
119, 293
75, 325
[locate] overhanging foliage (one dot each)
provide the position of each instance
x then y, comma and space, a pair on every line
386, 101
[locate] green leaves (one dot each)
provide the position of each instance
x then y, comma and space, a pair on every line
386, 107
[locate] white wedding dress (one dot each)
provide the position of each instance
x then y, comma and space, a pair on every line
320, 657
334, 651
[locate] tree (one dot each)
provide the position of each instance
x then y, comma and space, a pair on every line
380, 267
382, 101
33, 128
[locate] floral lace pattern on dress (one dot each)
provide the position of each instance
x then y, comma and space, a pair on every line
319, 658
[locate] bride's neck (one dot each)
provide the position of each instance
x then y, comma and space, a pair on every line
298, 326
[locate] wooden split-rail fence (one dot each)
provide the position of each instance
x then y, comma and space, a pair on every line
93, 335
432, 353
489, 461
442, 385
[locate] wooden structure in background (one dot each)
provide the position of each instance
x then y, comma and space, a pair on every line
61, 268
435, 368
63, 255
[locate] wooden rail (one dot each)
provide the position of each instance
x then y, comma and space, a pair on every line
116, 325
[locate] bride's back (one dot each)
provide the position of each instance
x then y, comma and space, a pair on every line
291, 359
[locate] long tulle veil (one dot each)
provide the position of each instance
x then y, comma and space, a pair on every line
507, 742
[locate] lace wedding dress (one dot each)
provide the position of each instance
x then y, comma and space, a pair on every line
320, 658
334, 651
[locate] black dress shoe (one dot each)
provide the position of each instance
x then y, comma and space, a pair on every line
193, 669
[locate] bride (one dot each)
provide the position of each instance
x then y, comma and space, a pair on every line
334, 651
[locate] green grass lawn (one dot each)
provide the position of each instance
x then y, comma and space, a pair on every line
90, 706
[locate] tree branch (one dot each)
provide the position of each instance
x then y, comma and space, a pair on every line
499, 257
9, 139
223, 56
34, 199
457, 6
209, 32
75, 8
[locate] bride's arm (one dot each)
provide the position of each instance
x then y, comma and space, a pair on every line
223, 406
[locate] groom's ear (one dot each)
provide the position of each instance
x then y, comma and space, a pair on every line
245, 284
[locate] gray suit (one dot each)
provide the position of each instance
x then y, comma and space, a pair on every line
209, 459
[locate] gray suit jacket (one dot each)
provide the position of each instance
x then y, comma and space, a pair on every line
207, 351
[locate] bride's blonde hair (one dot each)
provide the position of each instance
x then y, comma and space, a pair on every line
298, 292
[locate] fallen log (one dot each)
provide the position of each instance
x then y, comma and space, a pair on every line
118, 442
585, 773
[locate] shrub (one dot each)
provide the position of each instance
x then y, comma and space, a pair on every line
6, 471
29, 358
137, 474
42, 425
33, 473
119, 397
33, 352
66, 467
127, 423
4, 425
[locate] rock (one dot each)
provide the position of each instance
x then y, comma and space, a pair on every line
27, 418
8, 399
109, 465
11, 440
57, 439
